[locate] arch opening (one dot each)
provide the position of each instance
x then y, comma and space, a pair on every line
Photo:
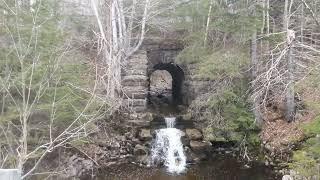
165, 87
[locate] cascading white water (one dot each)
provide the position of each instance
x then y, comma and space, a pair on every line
170, 122
168, 148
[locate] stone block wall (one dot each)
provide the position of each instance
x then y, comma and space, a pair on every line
135, 82
159, 55
153, 55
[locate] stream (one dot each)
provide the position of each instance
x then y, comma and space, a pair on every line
168, 150
217, 168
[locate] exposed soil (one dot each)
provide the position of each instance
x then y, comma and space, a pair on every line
280, 137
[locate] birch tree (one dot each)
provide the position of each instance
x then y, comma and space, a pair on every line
122, 29
117, 40
290, 36
43, 106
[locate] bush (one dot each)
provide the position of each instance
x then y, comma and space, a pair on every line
227, 115
306, 160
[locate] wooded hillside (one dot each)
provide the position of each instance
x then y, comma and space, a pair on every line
62, 63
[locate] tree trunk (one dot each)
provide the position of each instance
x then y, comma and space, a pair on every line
268, 25
254, 71
208, 23
290, 104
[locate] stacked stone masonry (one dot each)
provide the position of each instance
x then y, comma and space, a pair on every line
135, 82
159, 55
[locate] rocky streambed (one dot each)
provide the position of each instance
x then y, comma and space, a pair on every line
217, 167
126, 153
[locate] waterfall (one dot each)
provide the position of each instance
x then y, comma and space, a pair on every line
170, 122
168, 148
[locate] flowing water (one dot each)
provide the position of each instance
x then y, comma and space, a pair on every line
219, 167
168, 148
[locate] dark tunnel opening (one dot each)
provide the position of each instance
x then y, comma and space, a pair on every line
166, 81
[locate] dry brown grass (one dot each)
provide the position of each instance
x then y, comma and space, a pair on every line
279, 136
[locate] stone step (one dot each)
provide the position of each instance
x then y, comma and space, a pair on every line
136, 109
133, 84
135, 67
135, 80
143, 59
139, 52
135, 77
139, 109
135, 95
131, 72
129, 90
134, 102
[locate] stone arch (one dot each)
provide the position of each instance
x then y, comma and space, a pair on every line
178, 77
152, 56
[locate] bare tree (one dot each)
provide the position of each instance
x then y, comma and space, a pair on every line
254, 72
122, 30
290, 59
117, 42
290, 36
23, 89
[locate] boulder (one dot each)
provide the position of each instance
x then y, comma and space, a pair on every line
147, 117
194, 157
145, 134
144, 159
197, 158
78, 166
194, 134
187, 117
287, 177
135, 141
140, 150
198, 146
